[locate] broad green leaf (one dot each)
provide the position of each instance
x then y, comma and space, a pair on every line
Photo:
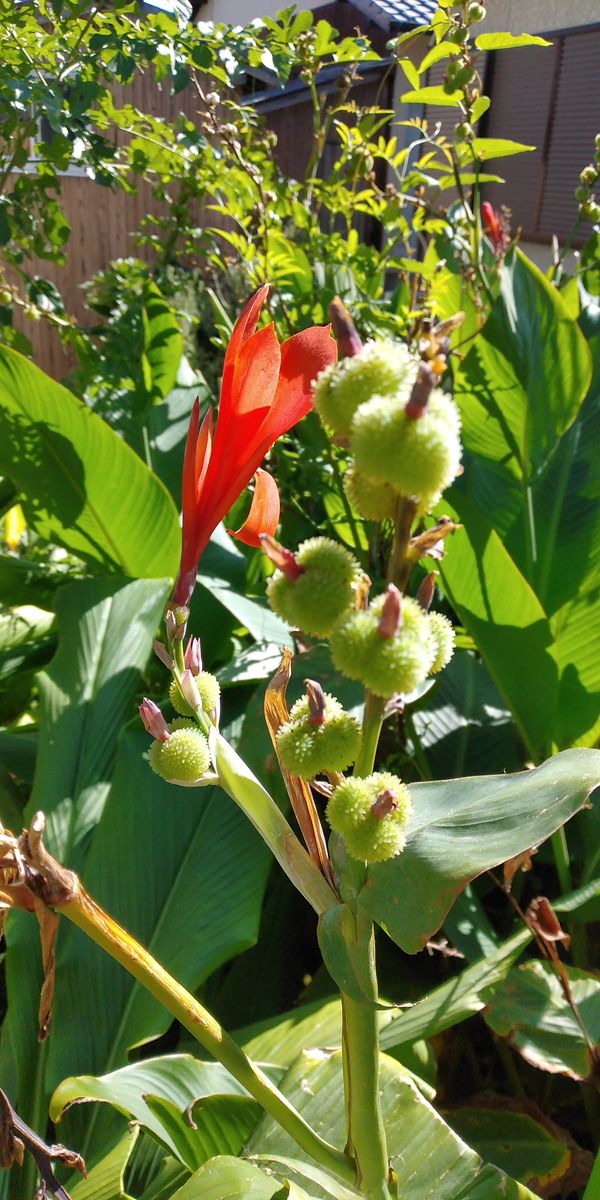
485, 148
105, 1179
508, 41
456, 999
260, 661
505, 618
190, 891
530, 1009
514, 1141
106, 629
460, 828
81, 485
226, 1178
28, 582
163, 343
432, 95
221, 1125
177, 1079
428, 1157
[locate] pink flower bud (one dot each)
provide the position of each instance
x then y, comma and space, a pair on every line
391, 613
193, 656
344, 329
176, 620
162, 653
426, 591
282, 558
154, 722
189, 690
316, 702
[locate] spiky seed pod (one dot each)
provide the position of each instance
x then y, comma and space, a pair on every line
375, 501
443, 638
321, 593
184, 757
208, 688
417, 457
381, 368
371, 815
385, 665
308, 749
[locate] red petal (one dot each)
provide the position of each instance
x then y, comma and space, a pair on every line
303, 356
264, 512
203, 451
243, 329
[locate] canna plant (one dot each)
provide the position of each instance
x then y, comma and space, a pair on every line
352, 1122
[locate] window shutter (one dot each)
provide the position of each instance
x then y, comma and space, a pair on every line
521, 94
576, 121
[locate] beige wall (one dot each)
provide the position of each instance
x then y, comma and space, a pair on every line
537, 16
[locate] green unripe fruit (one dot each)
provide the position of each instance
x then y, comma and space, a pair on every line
476, 12
459, 35
371, 815
381, 367
375, 501
591, 211
385, 665
308, 750
463, 131
589, 175
464, 76
183, 758
208, 688
323, 591
442, 632
581, 193
417, 457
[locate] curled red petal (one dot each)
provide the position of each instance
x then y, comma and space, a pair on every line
303, 356
264, 511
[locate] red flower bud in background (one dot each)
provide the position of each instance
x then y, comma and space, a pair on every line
265, 390
497, 227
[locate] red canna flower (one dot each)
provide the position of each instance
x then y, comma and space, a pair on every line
265, 390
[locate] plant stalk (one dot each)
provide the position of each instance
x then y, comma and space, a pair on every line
83, 911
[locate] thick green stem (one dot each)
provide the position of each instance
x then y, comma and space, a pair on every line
371, 729
87, 915
366, 1131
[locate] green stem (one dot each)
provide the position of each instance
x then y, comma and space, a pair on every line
366, 1131
371, 729
83, 911
560, 851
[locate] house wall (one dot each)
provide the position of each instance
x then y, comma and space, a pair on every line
538, 16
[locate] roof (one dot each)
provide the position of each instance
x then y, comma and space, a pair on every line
393, 14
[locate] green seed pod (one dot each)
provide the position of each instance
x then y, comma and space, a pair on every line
463, 131
381, 368
183, 758
371, 815
385, 665
417, 457
443, 637
591, 211
375, 501
589, 175
308, 749
476, 12
208, 688
582, 193
323, 590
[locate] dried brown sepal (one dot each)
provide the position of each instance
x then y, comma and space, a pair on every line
512, 865
426, 591
430, 543
316, 702
16, 1136
298, 790
48, 922
361, 592
543, 919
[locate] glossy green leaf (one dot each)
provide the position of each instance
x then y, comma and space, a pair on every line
226, 1178
105, 1179
505, 618
508, 41
486, 148
163, 343
178, 1079
530, 1009
221, 1125
428, 1157
432, 95
81, 485
514, 1141
172, 852
462, 827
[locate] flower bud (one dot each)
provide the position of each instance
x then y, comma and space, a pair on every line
322, 591
443, 635
183, 758
308, 748
154, 722
371, 815
207, 688
344, 329
381, 368
193, 656
375, 501
426, 591
162, 653
385, 665
417, 457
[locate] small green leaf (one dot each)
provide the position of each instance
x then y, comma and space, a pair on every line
432, 95
105, 1179
163, 343
485, 148
508, 41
